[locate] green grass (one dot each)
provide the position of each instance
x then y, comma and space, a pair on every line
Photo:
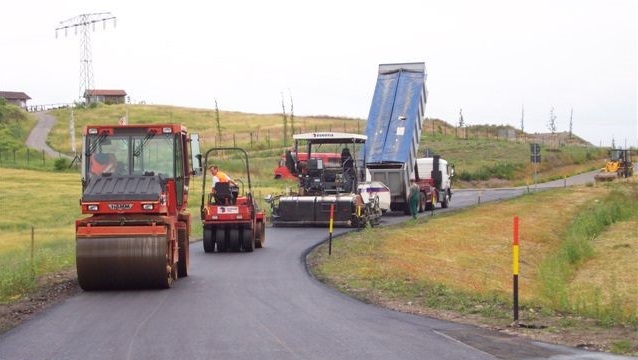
483, 156
462, 261
577, 247
39, 209
250, 131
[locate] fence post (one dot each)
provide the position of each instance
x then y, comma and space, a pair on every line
32, 252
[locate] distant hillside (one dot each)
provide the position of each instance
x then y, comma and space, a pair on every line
501, 132
499, 155
484, 155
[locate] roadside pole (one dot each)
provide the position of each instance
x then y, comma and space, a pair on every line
535, 158
515, 270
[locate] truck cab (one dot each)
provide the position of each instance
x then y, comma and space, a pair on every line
438, 173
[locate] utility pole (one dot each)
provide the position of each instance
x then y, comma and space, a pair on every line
83, 23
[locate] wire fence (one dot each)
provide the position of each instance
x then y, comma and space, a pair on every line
36, 254
29, 157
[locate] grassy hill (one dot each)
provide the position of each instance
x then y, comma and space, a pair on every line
481, 157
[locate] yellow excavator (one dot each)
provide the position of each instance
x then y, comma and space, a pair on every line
618, 166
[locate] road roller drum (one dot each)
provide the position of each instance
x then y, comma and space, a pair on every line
123, 262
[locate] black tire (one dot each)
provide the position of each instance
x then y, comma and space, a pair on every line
221, 240
248, 239
446, 201
233, 240
209, 242
422, 202
260, 235
184, 253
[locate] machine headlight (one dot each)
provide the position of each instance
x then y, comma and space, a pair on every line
147, 206
92, 207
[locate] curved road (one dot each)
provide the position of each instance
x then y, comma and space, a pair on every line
258, 305
38, 137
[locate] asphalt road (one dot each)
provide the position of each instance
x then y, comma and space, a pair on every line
38, 136
260, 305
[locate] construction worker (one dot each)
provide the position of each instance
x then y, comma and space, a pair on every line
220, 177
348, 170
413, 198
102, 163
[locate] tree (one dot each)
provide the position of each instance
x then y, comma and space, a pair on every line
285, 118
551, 124
461, 121
292, 117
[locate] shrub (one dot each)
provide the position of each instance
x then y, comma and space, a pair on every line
61, 164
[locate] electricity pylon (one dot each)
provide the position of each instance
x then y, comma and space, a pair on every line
83, 23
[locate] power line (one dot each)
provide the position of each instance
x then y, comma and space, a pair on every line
83, 23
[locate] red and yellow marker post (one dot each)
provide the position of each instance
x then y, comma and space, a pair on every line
515, 269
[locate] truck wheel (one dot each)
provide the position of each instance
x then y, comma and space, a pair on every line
422, 202
248, 239
260, 235
446, 200
209, 243
220, 239
184, 253
233, 240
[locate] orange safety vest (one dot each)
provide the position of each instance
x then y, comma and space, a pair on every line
96, 166
222, 177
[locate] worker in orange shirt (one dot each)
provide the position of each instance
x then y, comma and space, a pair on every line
102, 163
220, 177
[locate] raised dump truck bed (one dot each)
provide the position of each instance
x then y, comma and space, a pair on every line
394, 127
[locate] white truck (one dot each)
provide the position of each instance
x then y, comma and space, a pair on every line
435, 173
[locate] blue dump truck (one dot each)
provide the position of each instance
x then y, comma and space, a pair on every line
394, 129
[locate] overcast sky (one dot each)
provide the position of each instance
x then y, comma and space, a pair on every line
490, 58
